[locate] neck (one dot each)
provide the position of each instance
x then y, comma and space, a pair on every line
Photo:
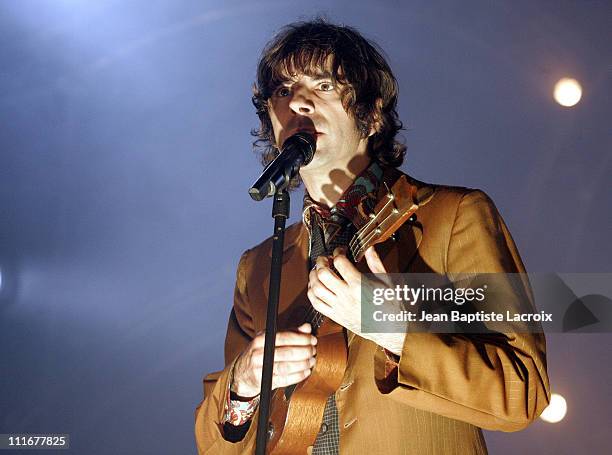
325, 186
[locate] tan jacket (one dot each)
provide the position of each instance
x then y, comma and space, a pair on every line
446, 386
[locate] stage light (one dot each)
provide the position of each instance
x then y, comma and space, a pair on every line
556, 409
567, 92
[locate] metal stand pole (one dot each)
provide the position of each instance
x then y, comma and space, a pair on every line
280, 213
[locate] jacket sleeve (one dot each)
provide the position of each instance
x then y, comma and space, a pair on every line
210, 412
496, 381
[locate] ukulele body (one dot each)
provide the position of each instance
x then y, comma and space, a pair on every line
297, 411
295, 420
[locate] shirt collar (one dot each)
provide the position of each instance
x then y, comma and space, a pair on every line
355, 204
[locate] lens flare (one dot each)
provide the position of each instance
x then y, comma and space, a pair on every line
556, 409
567, 92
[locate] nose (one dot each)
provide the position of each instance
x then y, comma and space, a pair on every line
301, 102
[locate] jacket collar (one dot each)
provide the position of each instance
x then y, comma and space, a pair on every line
409, 235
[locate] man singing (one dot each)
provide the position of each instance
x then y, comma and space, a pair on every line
402, 393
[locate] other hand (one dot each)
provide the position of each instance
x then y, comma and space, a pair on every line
294, 358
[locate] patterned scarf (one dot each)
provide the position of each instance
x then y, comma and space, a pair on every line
329, 228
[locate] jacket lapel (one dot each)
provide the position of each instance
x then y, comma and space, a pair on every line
293, 302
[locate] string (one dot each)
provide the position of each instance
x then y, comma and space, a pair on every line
356, 245
356, 238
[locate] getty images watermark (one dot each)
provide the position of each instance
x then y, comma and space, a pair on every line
487, 302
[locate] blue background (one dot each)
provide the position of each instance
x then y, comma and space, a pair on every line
125, 157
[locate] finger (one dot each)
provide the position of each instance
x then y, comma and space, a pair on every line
322, 273
319, 305
281, 355
284, 381
305, 328
340, 250
373, 261
322, 292
287, 368
346, 269
286, 339
257, 359
332, 281
295, 339
321, 262
294, 353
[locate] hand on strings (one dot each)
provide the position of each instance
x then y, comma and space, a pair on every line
339, 297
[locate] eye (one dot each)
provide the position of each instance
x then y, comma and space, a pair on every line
282, 91
326, 86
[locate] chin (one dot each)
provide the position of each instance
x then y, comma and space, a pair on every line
316, 162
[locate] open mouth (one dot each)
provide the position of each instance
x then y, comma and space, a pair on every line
312, 132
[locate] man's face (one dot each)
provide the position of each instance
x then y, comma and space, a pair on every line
313, 104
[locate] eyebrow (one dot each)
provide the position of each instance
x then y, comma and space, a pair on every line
321, 75
316, 76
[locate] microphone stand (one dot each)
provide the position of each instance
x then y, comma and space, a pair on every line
280, 213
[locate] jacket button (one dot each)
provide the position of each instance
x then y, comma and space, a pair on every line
323, 429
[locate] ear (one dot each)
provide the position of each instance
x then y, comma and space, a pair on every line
376, 117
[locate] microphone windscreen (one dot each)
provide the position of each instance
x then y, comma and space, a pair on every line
303, 141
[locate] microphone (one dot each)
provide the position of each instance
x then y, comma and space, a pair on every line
297, 151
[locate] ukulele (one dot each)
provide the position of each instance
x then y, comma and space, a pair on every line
296, 411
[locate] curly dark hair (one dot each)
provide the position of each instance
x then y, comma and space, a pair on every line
369, 96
